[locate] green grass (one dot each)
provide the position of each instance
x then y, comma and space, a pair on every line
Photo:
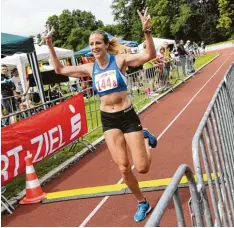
203, 60
224, 42
94, 122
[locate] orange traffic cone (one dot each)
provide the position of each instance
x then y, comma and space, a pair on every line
34, 193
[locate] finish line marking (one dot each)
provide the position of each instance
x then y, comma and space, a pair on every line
116, 189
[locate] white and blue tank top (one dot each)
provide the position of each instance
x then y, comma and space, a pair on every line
108, 80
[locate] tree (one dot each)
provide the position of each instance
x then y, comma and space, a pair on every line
136, 33
53, 21
113, 29
226, 16
72, 29
186, 19
204, 21
66, 24
86, 20
181, 19
77, 39
122, 12
170, 18
39, 38
125, 14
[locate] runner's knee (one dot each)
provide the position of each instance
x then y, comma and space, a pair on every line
142, 168
124, 169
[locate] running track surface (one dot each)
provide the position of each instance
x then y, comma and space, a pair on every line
174, 148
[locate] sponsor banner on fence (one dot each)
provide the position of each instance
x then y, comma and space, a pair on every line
41, 135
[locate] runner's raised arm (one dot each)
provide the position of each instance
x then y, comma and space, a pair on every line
150, 52
71, 71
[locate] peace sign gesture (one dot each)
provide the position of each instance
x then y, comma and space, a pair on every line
48, 36
145, 19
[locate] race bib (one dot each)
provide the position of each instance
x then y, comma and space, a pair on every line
106, 81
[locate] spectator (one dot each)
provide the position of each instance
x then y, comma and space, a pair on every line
167, 50
78, 82
149, 71
196, 49
28, 88
182, 55
203, 47
162, 67
17, 81
168, 60
190, 57
8, 100
25, 104
24, 107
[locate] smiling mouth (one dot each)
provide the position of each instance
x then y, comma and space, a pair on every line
96, 51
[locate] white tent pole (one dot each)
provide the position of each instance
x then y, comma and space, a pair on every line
22, 73
39, 78
73, 62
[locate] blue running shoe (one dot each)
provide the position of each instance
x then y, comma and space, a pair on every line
152, 139
143, 208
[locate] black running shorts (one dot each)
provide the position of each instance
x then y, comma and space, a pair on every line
127, 120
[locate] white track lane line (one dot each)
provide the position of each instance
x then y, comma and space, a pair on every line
120, 181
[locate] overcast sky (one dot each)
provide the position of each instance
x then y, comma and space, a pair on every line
28, 17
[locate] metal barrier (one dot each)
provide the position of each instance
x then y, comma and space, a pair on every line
5, 203
214, 140
230, 82
172, 191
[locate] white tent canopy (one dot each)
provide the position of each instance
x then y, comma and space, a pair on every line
21, 60
158, 42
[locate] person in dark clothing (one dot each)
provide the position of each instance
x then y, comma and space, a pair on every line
182, 55
7, 87
203, 47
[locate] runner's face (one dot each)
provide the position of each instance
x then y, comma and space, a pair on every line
97, 45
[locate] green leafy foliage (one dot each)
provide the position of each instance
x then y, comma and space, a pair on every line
113, 29
195, 20
208, 20
72, 29
125, 14
226, 16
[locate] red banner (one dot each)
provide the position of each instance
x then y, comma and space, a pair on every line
41, 135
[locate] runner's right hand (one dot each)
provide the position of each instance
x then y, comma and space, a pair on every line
48, 39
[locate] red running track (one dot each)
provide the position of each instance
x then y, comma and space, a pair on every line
175, 120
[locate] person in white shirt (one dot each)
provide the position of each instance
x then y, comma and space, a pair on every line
190, 57
17, 82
